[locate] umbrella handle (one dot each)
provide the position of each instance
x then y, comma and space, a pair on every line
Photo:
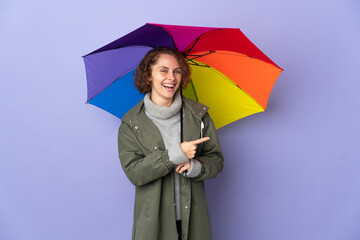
181, 117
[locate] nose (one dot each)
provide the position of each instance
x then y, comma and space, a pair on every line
171, 75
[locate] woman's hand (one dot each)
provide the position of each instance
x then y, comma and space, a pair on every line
183, 167
189, 148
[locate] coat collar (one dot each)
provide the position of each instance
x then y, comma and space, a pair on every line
197, 109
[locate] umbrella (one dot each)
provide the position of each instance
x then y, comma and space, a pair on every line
229, 73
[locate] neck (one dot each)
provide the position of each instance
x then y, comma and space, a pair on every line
161, 101
162, 112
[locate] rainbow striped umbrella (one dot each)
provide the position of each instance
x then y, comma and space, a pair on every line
229, 73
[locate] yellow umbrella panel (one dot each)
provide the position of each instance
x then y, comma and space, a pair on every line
226, 101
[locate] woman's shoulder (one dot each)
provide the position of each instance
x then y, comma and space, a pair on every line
133, 112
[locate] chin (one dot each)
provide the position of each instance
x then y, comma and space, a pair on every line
169, 96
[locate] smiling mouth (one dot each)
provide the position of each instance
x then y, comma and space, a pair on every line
168, 86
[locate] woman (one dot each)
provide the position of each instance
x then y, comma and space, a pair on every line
170, 199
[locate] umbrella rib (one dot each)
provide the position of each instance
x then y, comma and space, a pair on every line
195, 56
192, 62
193, 87
189, 50
172, 38
123, 46
197, 39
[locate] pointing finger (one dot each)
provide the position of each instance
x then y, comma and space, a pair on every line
201, 140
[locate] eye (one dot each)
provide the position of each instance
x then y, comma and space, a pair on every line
177, 71
163, 70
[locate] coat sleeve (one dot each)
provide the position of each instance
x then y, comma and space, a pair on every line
211, 159
138, 168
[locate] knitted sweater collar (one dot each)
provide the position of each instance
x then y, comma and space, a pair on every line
162, 112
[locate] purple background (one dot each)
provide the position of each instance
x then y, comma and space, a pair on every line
290, 173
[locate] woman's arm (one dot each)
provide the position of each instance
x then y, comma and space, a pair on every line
211, 159
138, 168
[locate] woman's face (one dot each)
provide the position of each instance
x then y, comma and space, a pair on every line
165, 79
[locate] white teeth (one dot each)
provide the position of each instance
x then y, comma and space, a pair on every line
168, 85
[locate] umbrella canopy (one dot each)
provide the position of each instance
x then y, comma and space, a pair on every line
229, 73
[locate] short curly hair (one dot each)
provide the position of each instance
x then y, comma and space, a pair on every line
143, 71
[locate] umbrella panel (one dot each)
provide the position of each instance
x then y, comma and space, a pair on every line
183, 35
226, 101
119, 97
147, 35
252, 75
228, 40
103, 68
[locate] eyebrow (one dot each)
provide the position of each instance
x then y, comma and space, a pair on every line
168, 68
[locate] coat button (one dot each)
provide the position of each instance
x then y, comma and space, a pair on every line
155, 148
204, 108
136, 127
186, 207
